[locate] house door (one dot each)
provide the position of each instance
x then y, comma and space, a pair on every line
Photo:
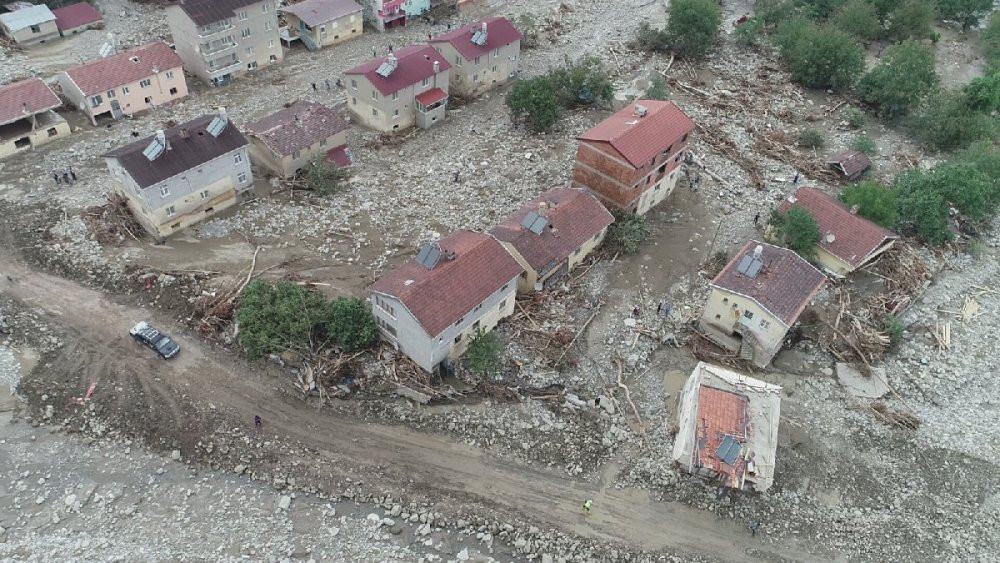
116, 109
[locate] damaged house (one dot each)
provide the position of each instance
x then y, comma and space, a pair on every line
631, 160
553, 234
432, 306
184, 174
29, 25
27, 116
847, 241
484, 55
757, 298
727, 428
321, 23
287, 140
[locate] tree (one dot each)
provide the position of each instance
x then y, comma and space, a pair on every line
820, 57
884, 8
279, 316
657, 89
925, 198
351, 324
324, 177
648, 38
485, 354
627, 233
983, 93
965, 12
811, 139
989, 40
947, 122
582, 83
904, 77
798, 231
528, 27
859, 18
912, 20
535, 100
693, 26
875, 202
923, 213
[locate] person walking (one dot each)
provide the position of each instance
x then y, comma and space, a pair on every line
72, 174
587, 504
457, 174
256, 421
754, 526
327, 84
315, 89
756, 219
55, 176
65, 178
795, 181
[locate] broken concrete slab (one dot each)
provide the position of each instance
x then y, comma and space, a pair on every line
860, 385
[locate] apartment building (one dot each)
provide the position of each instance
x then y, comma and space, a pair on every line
484, 55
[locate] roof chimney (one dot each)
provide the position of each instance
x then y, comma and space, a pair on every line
160, 137
24, 108
830, 237
758, 252
222, 113
437, 67
641, 110
855, 208
184, 133
484, 27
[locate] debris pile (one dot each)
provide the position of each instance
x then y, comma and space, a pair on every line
109, 223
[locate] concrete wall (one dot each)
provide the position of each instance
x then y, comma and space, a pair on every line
428, 351
48, 127
287, 166
602, 170
259, 49
164, 87
469, 78
46, 32
392, 114
195, 195
724, 309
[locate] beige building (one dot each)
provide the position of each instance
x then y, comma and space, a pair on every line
219, 40
553, 234
183, 175
483, 55
321, 23
287, 140
407, 88
847, 241
432, 306
30, 26
27, 116
757, 298
126, 83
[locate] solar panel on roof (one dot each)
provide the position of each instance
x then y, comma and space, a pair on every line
153, 151
387, 68
479, 38
744, 264
429, 255
216, 127
749, 266
729, 450
538, 226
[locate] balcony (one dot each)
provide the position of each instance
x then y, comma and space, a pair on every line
215, 47
215, 28
223, 64
392, 10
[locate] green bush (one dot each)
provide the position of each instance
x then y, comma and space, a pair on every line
884, 8
484, 356
858, 18
925, 197
820, 57
904, 77
947, 122
657, 88
582, 83
894, 328
989, 40
648, 38
748, 33
535, 101
923, 213
983, 93
627, 233
351, 324
693, 26
875, 203
324, 177
811, 139
965, 12
855, 118
797, 230
865, 144
912, 20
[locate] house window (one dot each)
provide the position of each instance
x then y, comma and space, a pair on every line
374, 112
748, 314
505, 286
458, 339
238, 158
477, 61
170, 75
264, 8
374, 94
496, 53
52, 132
296, 155
354, 84
598, 235
241, 177
425, 82
173, 91
171, 211
764, 324
245, 33
354, 101
205, 194
577, 251
717, 317
148, 100
322, 142
243, 15
96, 101
36, 29
273, 58
145, 83
111, 94
458, 60
475, 325
395, 113
125, 90
268, 25
669, 150
684, 138
164, 191
495, 68
249, 50
395, 95
725, 300
475, 77
502, 305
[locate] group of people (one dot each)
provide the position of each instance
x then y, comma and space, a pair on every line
67, 177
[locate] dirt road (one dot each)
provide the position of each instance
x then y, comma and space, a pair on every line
202, 381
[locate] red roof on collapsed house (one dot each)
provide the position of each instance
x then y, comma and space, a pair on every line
721, 414
572, 217
854, 237
499, 33
76, 15
478, 267
99, 76
296, 127
640, 138
413, 64
31, 95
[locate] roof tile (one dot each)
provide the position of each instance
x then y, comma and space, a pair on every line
639, 139
76, 15
32, 94
27, 17
297, 127
720, 414
499, 33
318, 12
97, 77
205, 12
415, 63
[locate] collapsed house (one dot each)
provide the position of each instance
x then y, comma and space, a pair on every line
847, 241
433, 305
29, 25
850, 165
757, 298
728, 428
287, 140
321, 23
553, 234
483, 54
27, 116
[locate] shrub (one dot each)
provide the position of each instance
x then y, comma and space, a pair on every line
820, 9
772, 12
947, 122
351, 324
923, 213
855, 118
811, 138
648, 38
858, 17
484, 355
657, 89
535, 101
865, 144
925, 197
324, 177
894, 328
989, 40
912, 20
748, 33
904, 77
820, 57
983, 93
582, 83
965, 12
627, 233
875, 203
797, 230
693, 26
884, 8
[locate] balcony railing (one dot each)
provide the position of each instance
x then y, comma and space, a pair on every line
222, 64
216, 47
215, 28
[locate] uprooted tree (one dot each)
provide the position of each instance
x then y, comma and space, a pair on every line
627, 233
797, 230
323, 177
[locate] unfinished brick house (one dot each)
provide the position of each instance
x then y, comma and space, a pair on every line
552, 234
757, 298
430, 307
27, 116
484, 55
631, 160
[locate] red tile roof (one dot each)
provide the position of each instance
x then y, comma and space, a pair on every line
415, 63
297, 127
639, 139
318, 12
31, 94
499, 33
785, 285
102, 75
205, 12
852, 163
438, 298
574, 217
76, 15
431, 96
341, 156
720, 414
854, 237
